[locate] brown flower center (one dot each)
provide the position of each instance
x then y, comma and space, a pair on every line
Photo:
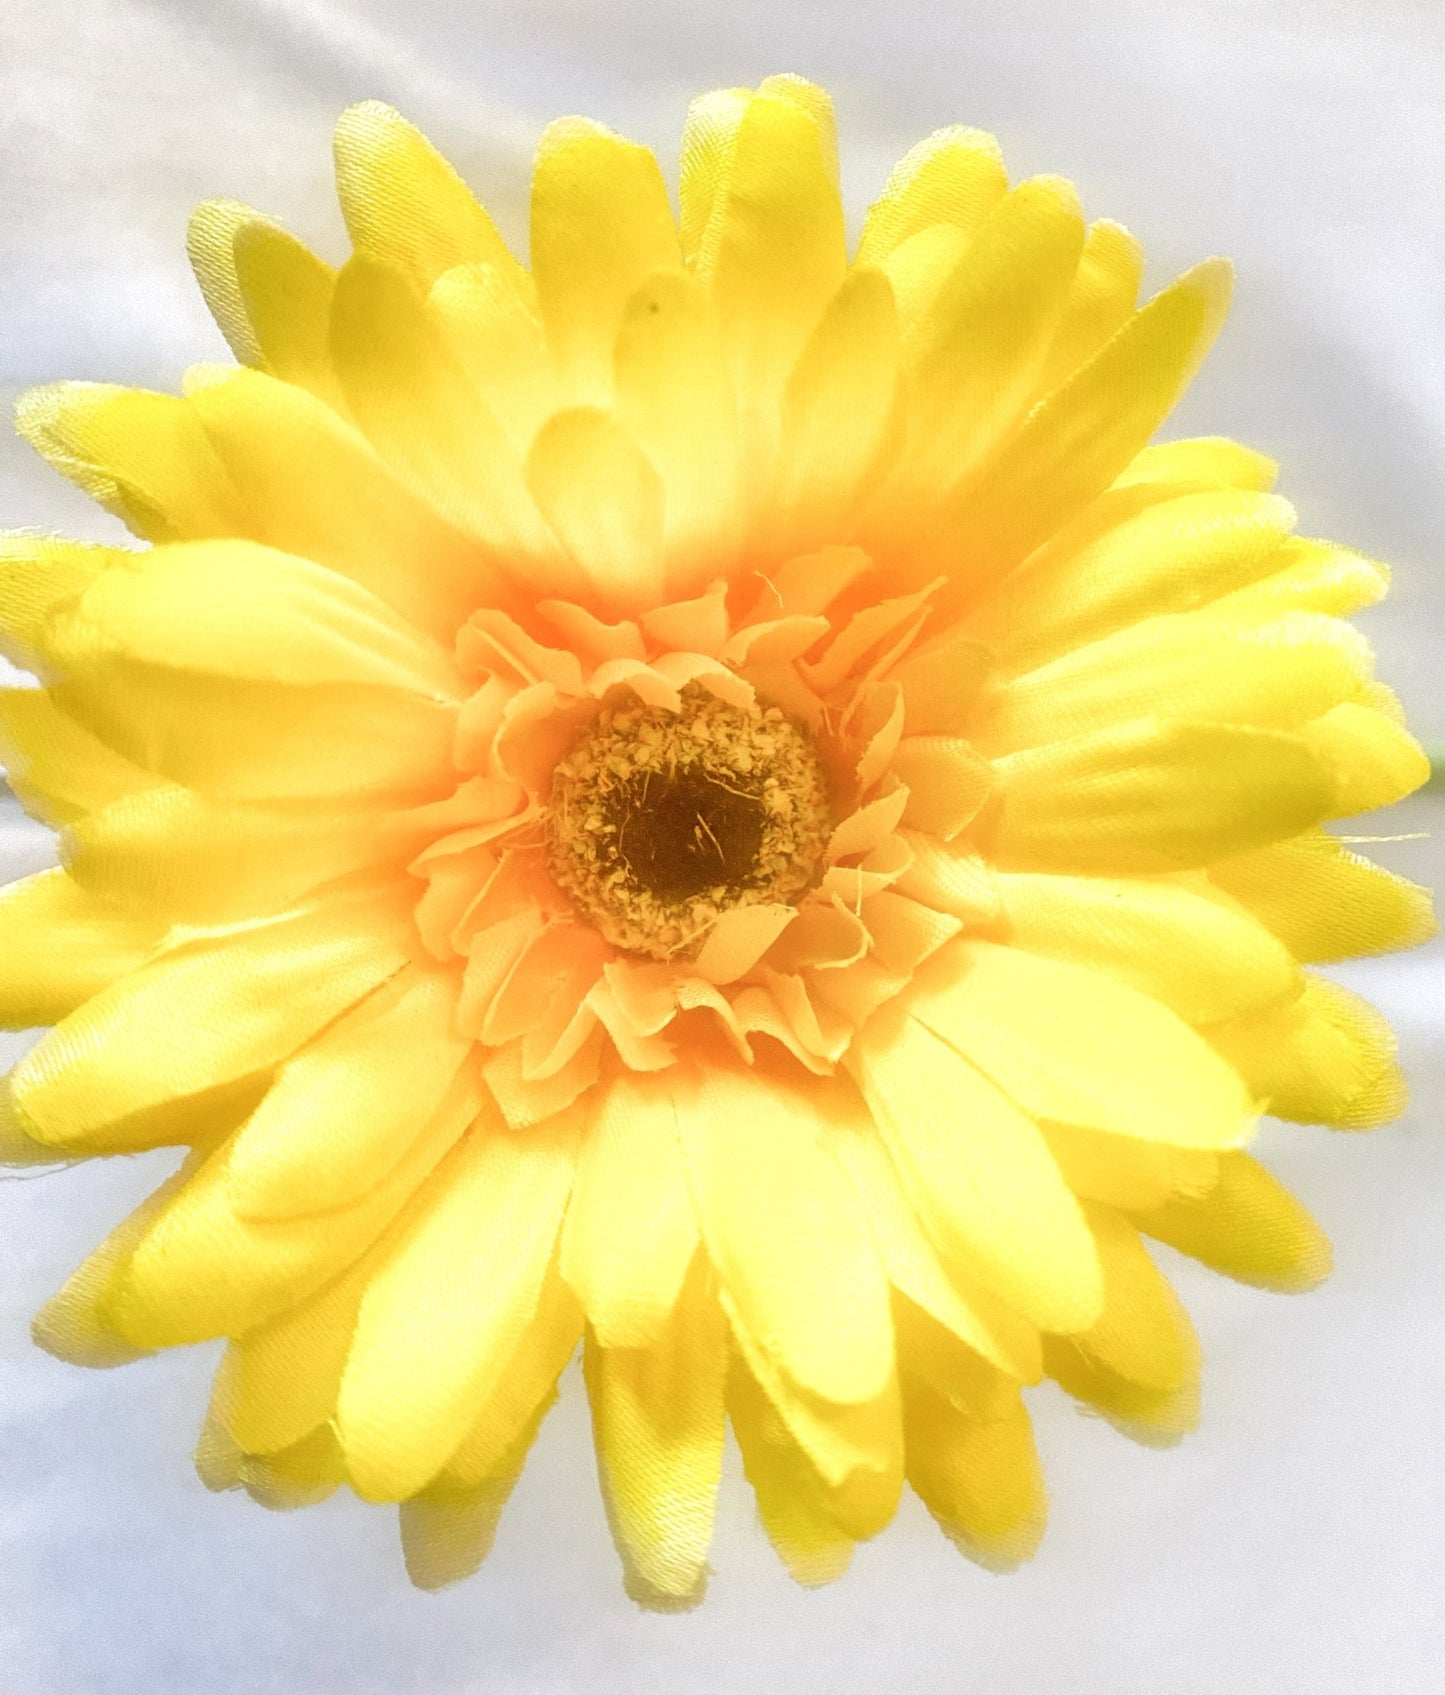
659, 821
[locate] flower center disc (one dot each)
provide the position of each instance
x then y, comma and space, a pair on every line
660, 821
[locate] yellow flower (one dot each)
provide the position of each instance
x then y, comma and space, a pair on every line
708, 799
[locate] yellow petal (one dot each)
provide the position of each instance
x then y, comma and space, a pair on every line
341, 1114
142, 456
1310, 576
202, 1270
1143, 1333
675, 398
427, 420
657, 1420
312, 485
59, 946
708, 138
210, 239
839, 422
218, 1461
955, 176
1155, 796
1277, 675
1155, 1418
846, 1460
280, 1380
310, 711
1206, 461
206, 1013
967, 1311
605, 502
200, 1121
1324, 1057
1075, 1047
1248, 1226
600, 225
929, 1351
978, 1174
473, 1258
497, 338
850, 1459
74, 1324
918, 268
1075, 442
813, 99
17, 1148
1101, 299
791, 1503
1325, 902
1124, 1172
976, 353
58, 770
405, 204
1200, 956
1168, 556
523, 1390
773, 251
259, 741
238, 610
287, 294
787, 1234
38, 574
172, 854
1140, 1364
630, 1232
307, 1472
270, 294
1374, 760
446, 1533
980, 1478
241, 731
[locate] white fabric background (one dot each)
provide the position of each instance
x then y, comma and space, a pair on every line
1294, 1544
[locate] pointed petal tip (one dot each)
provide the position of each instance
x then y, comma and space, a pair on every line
1213, 280
55, 1331
573, 126
362, 114
799, 91
1052, 187
220, 207
17, 1146
37, 409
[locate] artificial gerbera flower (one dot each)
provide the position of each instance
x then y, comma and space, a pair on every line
710, 799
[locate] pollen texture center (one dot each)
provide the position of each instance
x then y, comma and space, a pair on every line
661, 821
